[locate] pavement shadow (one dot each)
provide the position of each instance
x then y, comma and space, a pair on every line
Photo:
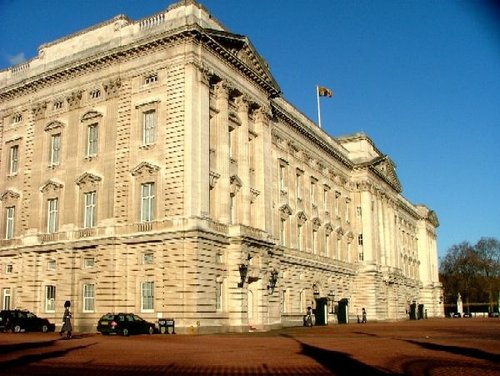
33, 358
466, 351
13, 347
339, 363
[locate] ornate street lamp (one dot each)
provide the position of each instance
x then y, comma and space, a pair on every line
273, 279
243, 274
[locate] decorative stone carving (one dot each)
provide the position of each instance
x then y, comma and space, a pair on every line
74, 99
214, 177
38, 110
112, 87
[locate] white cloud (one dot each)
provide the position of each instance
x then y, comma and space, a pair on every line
17, 59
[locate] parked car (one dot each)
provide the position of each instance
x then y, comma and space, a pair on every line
493, 314
125, 324
18, 320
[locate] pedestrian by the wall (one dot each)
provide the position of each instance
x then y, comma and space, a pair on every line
363, 316
66, 327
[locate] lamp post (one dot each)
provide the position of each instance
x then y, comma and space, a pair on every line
273, 280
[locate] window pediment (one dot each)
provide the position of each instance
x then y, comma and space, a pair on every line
91, 115
285, 210
88, 179
54, 125
301, 217
144, 169
9, 195
51, 186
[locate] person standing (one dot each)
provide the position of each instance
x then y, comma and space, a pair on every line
363, 316
66, 327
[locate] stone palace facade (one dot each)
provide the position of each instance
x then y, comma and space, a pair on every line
154, 167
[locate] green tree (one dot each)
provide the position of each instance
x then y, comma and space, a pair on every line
473, 271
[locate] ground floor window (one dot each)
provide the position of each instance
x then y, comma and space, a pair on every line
88, 297
50, 298
147, 296
6, 298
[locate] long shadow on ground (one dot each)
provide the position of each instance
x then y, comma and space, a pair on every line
339, 363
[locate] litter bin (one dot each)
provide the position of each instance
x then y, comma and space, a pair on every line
165, 324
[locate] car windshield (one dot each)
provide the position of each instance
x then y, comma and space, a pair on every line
107, 317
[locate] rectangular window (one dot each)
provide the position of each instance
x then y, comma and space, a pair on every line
51, 265
9, 268
92, 139
314, 241
88, 262
148, 258
282, 231
298, 187
282, 177
50, 298
88, 297
52, 214
147, 296
13, 159
149, 127
313, 191
10, 217
6, 298
55, 149
147, 202
218, 296
300, 240
89, 215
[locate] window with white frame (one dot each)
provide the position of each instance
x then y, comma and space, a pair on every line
147, 202
148, 258
298, 184
88, 262
313, 191
147, 296
149, 127
6, 297
282, 231
314, 241
17, 118
51, 265
55, 149
282, 176
300, 240
151, 78
90, 210
218, 295
92, 140
13, 159
50, 298
52, 215
88, 297
10, 219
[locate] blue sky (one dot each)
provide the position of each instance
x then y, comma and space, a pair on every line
420, 77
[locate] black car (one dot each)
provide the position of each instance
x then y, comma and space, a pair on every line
17, 320
125, 324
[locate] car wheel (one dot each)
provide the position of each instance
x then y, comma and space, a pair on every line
17, 329
45, 328
151, 330
125, 332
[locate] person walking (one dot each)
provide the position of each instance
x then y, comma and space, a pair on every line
66, 327
363, 316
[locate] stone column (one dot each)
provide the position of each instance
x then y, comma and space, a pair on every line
221, 127
197, 142
244, 195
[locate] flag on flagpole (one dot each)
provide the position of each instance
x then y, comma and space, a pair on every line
324, 92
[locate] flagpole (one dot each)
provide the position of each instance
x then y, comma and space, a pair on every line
319, 109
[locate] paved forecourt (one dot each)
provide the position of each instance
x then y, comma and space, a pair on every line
425, 347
